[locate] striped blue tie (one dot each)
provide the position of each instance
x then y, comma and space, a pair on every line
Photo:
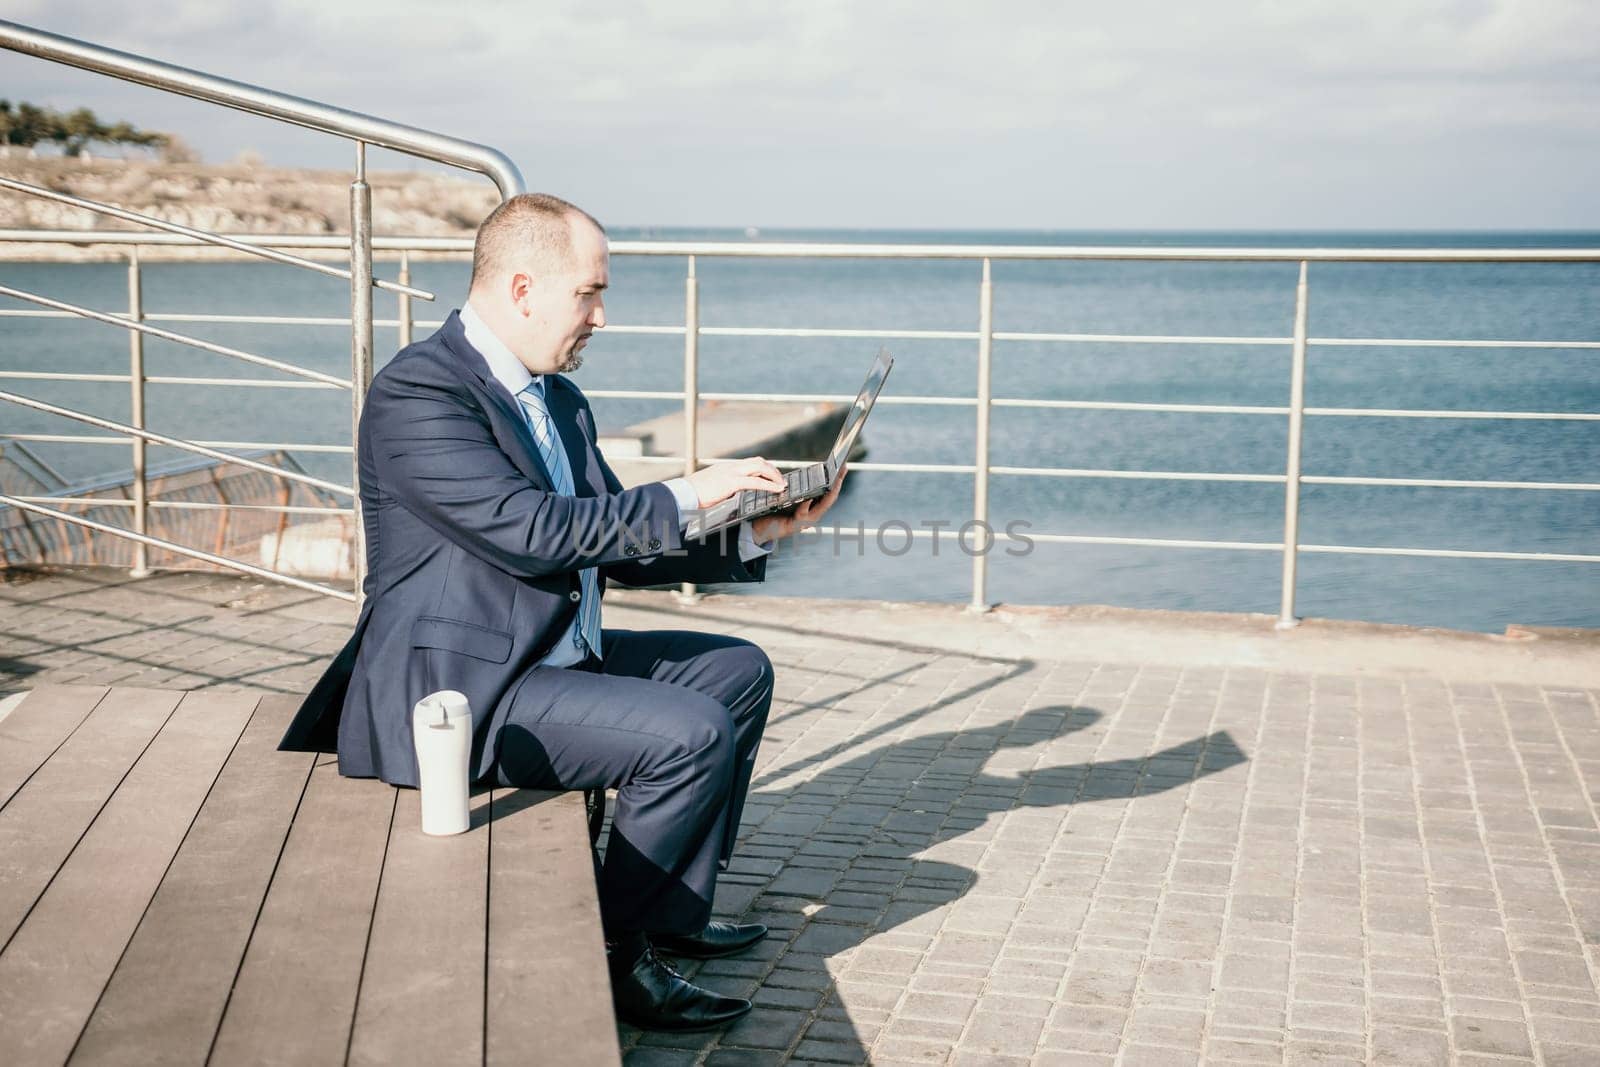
555, 461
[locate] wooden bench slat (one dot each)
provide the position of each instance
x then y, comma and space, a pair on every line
547, 983
56, 966
44, 821
166, 997
295, 996
422, 988
36, 728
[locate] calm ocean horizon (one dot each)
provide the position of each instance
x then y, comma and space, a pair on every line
1508, 302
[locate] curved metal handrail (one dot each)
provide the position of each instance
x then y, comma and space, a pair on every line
242, 96
202, 236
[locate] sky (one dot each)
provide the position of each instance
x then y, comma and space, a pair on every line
1008, 114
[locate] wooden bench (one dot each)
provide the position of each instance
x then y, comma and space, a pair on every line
174, 889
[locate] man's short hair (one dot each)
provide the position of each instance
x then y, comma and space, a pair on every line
532, 231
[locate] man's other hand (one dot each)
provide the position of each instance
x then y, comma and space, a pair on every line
718, 482
770, 527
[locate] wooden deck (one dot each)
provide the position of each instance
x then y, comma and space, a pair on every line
175, 890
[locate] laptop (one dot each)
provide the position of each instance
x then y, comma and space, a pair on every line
805, 482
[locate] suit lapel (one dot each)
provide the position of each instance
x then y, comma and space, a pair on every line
525, 454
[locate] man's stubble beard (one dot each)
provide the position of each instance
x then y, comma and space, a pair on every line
572, 362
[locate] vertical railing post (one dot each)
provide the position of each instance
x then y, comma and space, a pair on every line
691, 390
141, 487
406, 324
360, 340
980, 490
1291, 495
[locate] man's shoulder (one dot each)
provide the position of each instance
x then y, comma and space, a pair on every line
427, 360
427, 370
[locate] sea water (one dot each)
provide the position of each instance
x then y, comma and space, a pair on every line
1547, 302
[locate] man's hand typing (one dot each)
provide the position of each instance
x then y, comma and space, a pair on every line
718, 482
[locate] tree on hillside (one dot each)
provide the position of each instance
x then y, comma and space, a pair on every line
27, 126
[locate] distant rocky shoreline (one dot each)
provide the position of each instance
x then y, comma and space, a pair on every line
229, 199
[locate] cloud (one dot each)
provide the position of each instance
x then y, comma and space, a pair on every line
577, 92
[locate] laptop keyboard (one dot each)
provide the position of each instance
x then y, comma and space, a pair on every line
800, 481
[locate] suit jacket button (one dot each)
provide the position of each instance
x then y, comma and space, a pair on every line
574, 596
630, 550
655, 545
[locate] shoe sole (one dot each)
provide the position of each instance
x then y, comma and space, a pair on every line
685, 1029
723, 954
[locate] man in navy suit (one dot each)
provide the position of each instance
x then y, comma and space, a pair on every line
492, 524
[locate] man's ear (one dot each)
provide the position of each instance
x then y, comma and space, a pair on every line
520, 286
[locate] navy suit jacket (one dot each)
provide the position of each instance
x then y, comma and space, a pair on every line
472, 559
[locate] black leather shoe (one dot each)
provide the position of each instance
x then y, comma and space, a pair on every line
652, 996
714, 942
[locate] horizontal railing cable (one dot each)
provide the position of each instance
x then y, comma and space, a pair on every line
173, 442
1446, 483
900, 531
1446, 413
189, 505
171, 546
84, 439
168, 335
201, 236
841, 250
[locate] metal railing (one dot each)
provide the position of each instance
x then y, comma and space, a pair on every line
361, 129
982, 401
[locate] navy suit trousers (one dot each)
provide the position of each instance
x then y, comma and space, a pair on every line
671, 720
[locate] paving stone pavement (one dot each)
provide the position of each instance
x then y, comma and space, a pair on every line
976, 844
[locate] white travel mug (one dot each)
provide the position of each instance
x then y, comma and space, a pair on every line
441, 725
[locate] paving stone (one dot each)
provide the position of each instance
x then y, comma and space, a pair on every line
936, 1006
843, 1031
1326, 1054
1163, 1025
772, 996
1568, 1031
1001, 1035
768, 1028
659, 1057
909, 1050
828, 1052
1253, 972
945, 1030
1499, 1037
963, 1058
1225, 1051
1550, 969
1060, 1058
1135, 1055
825, 939
738, 1057
1177, 978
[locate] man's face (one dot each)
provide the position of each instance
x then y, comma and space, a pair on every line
564, 306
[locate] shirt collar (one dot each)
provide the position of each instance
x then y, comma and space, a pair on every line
505, 366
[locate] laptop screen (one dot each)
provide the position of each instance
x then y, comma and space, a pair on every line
858, 412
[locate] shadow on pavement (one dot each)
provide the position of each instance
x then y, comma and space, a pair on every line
864, 848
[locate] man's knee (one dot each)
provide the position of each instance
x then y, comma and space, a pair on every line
705, 734
754, 667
